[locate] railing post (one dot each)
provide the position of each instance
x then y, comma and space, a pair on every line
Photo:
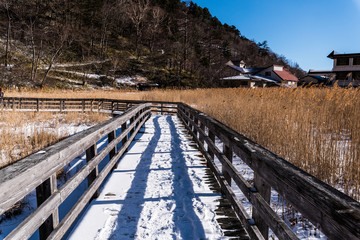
229, 155
212, 138
13, 104
161, 109
83, 106
111, 137
90, 154
37, 105
201, 137
91, 105
112, 106
265, 191
196, 122
123, 128
43, 192
60, 105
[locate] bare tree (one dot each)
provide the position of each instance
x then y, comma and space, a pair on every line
158, 17
6, 4
137, 11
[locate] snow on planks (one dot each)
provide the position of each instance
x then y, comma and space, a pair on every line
158, 191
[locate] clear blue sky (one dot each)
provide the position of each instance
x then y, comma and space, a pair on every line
304, 31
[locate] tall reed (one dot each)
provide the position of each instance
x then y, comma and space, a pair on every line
316, 129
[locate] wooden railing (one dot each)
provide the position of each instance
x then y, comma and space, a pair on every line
334, 213
39, 171
82, 105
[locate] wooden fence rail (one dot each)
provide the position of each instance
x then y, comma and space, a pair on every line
39, 171
82, 105
334, 213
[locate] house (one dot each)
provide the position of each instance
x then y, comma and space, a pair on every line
274, 75
318, 80
346, 69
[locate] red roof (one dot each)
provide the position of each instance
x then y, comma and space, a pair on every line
285, 75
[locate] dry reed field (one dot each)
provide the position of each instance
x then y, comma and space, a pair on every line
23, 133
316, 129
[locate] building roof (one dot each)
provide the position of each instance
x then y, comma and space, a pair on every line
248, 77
286, 75
334, 54
237, 77
245, 70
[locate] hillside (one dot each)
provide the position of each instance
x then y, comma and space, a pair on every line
97, 43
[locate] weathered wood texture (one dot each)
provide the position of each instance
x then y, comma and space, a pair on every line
39, 171
336, 214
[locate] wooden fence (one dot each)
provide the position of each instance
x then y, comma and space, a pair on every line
334, 213
82, 105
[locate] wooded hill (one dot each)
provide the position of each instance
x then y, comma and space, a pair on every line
168, 42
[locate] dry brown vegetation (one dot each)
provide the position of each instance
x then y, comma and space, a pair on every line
316, 129
23, 133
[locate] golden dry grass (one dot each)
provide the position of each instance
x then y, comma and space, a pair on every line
23, 133
316, 129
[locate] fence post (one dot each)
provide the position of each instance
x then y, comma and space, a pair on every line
201, 138
212, 138
37, 104
83, 106
123, 128
60, 105
90, 154
13, 104
91, 105
229, 155
43, 192
111, 137
265, 191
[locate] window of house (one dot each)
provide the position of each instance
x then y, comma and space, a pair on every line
342, 61
267, 74
356, 61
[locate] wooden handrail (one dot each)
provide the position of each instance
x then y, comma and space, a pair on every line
336, 214
39, 171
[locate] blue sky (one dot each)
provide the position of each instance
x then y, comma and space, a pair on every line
304, 31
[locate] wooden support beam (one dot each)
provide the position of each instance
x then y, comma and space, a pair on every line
111, 137
90, 154
43, 192
229, 155
265, 191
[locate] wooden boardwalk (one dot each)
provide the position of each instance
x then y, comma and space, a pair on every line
334, 213
161, 189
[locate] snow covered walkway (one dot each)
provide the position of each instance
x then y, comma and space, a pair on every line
158, 191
